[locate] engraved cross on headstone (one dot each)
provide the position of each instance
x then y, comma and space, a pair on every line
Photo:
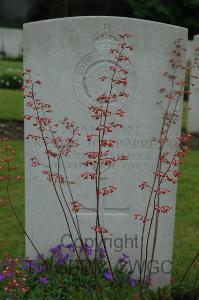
105, 211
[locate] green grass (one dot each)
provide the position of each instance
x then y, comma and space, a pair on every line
11, 104
11, 101
186, 227
186, 241
6, 64
11, 236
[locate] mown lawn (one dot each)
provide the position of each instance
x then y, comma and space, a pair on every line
6, 64
186, 228
11, 237
11, 104
186, 241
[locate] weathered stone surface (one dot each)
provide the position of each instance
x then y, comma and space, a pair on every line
68, 55
11, 42
193, 115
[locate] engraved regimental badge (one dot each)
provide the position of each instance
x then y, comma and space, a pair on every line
96, 64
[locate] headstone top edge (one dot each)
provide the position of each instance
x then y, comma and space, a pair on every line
11, 28
110, 18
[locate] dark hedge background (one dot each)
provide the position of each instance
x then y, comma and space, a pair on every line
13, 13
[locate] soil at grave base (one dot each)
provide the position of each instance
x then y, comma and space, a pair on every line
194, 143
14, 130
188, 296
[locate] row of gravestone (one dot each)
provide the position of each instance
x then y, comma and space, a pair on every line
69, 55
10, 43
193, 115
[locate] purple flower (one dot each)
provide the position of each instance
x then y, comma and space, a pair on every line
87, 250
132, 282
8, 274
62, 259
102, 252
108, 275
36, 265
1, 277
38, 268
40, 257
70, 247
43, 280
56, 250
28, 264
124, 259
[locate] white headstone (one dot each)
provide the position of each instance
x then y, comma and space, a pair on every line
68, 55
193, 115
11, 41
189, 50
